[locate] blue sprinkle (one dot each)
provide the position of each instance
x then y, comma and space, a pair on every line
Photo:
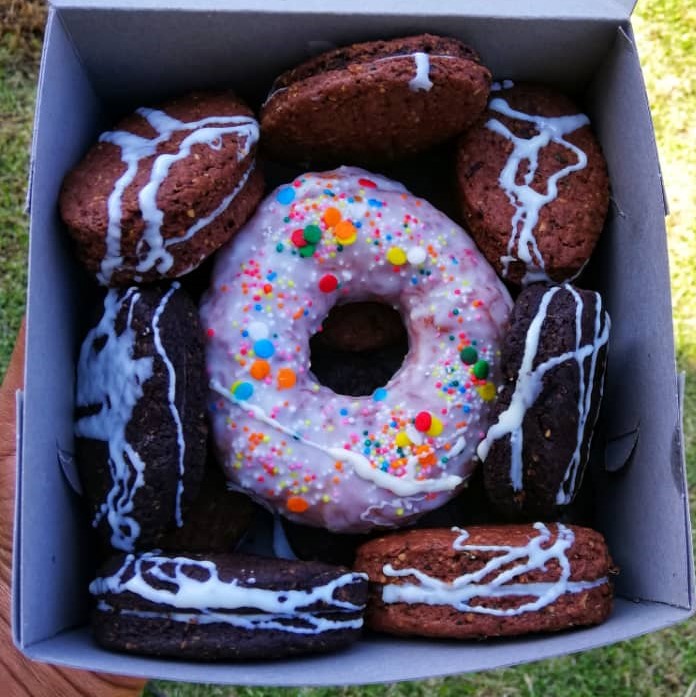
366, 451
466, 408
375, 203
264, 348
389, 238
245, 333
243, 391
351, 199
258, 307
384, 466
328, 192
380, 394
344, 412
357, 224
414, 280
285, 195
271, 276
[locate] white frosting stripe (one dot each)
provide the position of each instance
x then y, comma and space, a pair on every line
211, 597
526, 201
152, 248
421, 80
534, 556
310, 624
529, 385
117, 391
401, 486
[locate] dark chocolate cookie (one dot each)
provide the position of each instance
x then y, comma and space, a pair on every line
452, 583
226, 606
553, 359
533, 184
374, 101
140, 414
164, 190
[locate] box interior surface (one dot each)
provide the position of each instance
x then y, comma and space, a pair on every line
97, 65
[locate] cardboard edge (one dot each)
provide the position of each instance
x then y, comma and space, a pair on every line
627, 32
618, 10
679, 461
157, 669
16, 599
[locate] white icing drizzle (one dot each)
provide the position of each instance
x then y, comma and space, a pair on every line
534, 556
212, 597
527, 202
207, 131
530, 383
171, 398
401, 486
504, 85
421, 80
116, 391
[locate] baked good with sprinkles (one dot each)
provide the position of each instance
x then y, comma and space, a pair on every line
344, 463
140, 414
374, 101
553, 360
225, 606
487, 581
157, 195
533, 184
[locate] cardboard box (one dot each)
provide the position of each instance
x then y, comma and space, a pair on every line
100, 59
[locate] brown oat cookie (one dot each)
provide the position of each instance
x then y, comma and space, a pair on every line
450, 583
164, 189
374, 101
140, 421
225, 606
532, 207
553, 359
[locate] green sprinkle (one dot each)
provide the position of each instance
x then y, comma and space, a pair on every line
469, 355
481, 369
312, 234
308, 250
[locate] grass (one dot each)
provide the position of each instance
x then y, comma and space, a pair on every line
663, 663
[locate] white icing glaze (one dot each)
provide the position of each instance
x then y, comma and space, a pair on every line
332, 460
311, 624
459, 593
152, 248
212, 599
171, 398
113, 379
527, 202
529, 384
421, 80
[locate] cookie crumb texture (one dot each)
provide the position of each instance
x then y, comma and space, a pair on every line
554, 359
375, 101
140, 421
452, 583
225, 607
163, 190
533, 185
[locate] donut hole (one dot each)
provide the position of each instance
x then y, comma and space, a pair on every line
359, 347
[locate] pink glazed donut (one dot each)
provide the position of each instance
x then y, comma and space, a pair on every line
350, 464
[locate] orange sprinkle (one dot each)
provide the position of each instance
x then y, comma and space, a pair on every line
338, 465
260, 369
296, 504
344, 230
298, 314
286, 378
331, 216
336, 480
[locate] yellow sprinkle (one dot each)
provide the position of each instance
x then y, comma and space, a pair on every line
435, 427
402, 439
326, 498
399, 511
487, 391
396, 256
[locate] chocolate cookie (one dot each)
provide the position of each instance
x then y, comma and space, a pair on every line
164, 190
140, 414
216, 521
553, 359
533, 184
487, 581
374, 101
225, 606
